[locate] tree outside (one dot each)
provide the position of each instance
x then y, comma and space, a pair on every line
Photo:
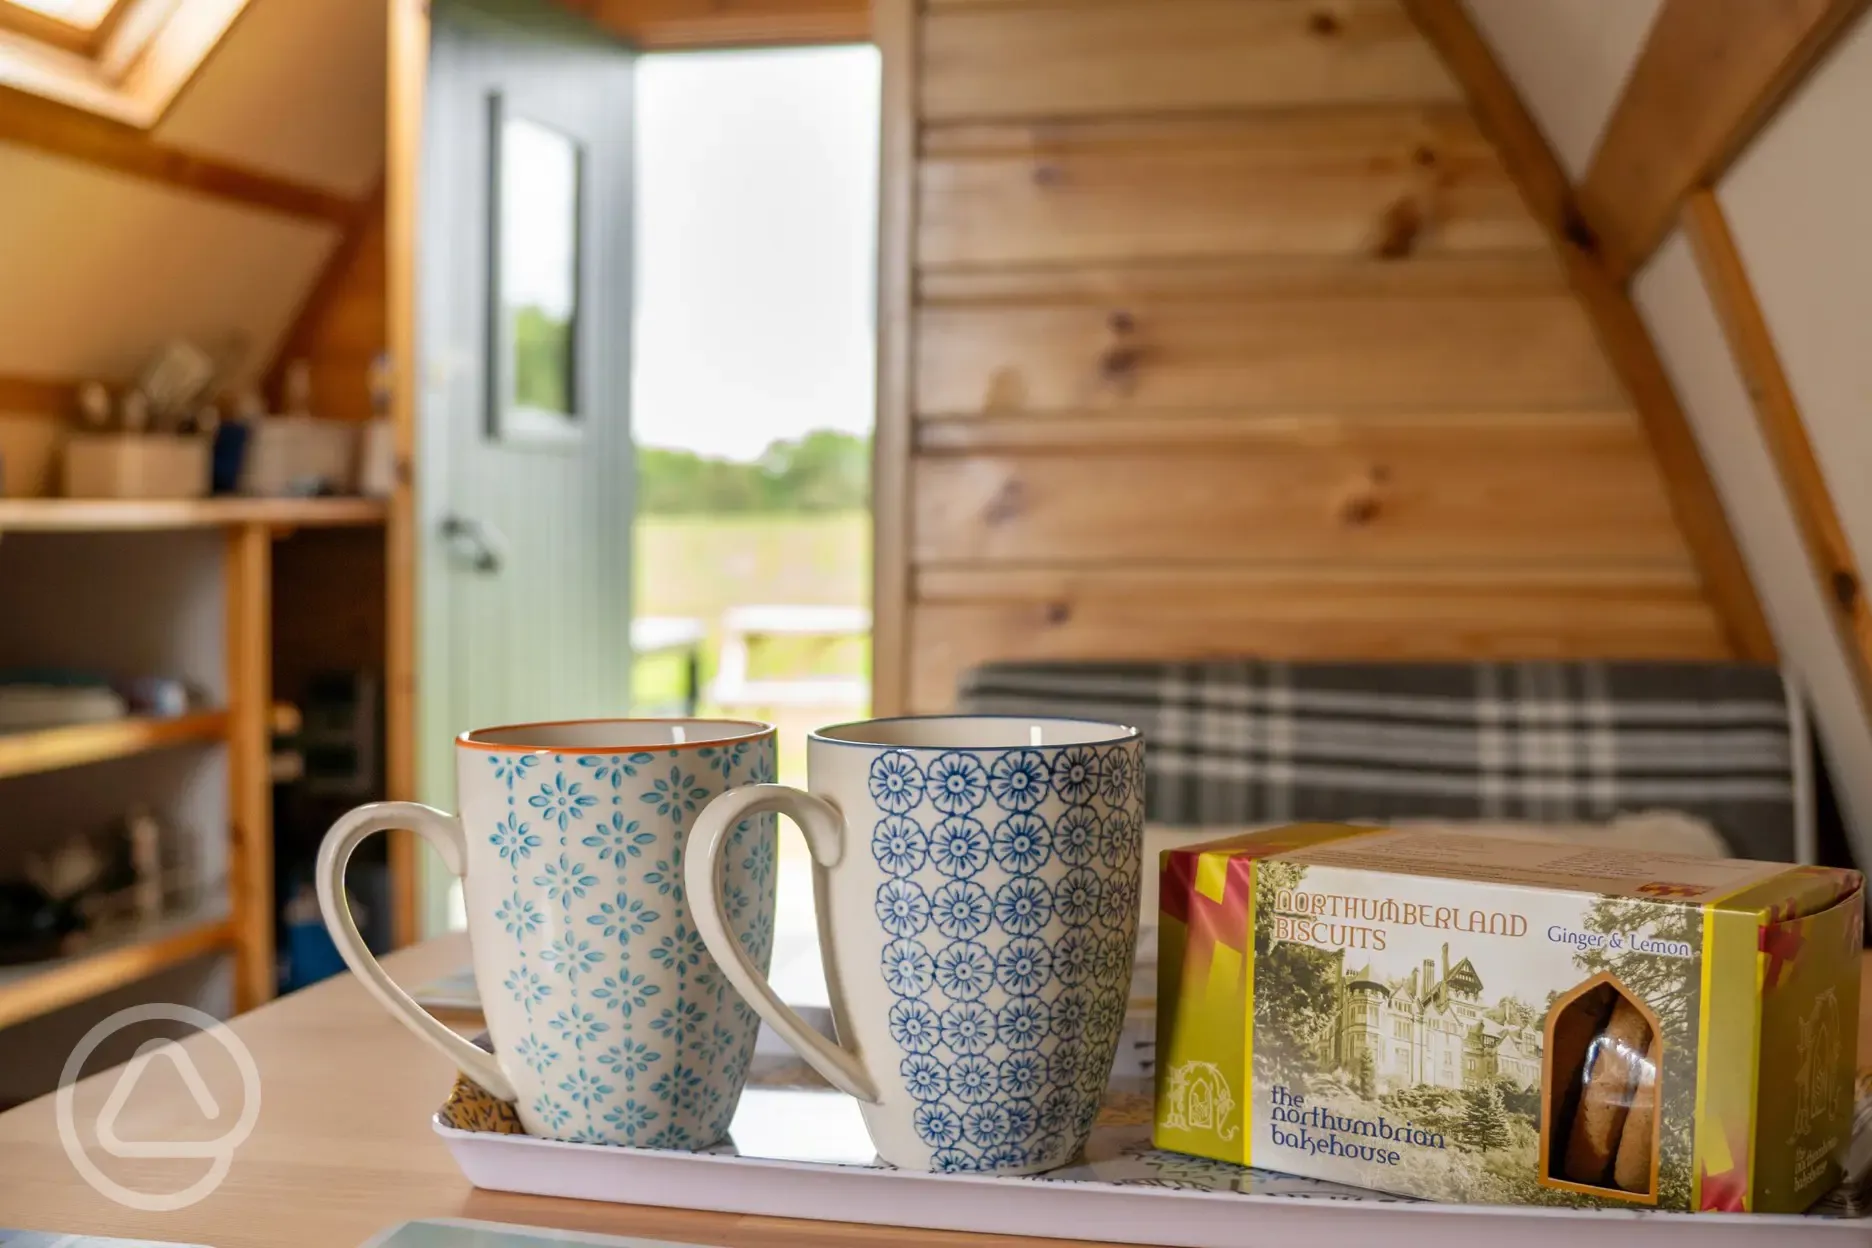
823, 472
791, 528
542, 360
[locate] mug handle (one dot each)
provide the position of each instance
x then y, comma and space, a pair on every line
823, 828
444, 832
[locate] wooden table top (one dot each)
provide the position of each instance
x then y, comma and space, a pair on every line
342, 1147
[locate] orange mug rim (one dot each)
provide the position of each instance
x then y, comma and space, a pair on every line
756, 729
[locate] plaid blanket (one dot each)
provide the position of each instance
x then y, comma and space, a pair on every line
1256, 742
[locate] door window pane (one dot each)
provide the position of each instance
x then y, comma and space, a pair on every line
537, 245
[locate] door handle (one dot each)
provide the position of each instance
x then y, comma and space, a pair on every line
474, 542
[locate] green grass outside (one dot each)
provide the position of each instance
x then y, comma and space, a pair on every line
700, 566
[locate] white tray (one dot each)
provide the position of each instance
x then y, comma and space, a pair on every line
801, 1152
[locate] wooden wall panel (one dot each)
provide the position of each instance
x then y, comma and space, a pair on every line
1355, 612
1264, 277
1228, 333
676, 25
1058, 58
1413, 353
344, 325
1384, 182
1573, 489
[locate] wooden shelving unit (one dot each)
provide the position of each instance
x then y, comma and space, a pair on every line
67, 515
242, 922
32, 989
27, 753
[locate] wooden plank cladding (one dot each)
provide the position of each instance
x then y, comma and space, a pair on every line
38, 396
1235, 432
1502, 352
341, 329
1258, 277
1372, 611
1572, 490
1384, 182
681, 25
1077, 58
1223, 329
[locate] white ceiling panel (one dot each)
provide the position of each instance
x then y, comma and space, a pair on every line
1800, 204
112, 266
1672, 298
1569, 59
296, 89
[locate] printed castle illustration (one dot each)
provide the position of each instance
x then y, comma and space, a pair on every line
1200, 1099
1816, 1081
1431, 1028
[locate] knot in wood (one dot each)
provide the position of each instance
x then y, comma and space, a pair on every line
1577, 232
1399, 230
1120, 363
1008, 503
1359, 510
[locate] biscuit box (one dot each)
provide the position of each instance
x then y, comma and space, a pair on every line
1506, 1021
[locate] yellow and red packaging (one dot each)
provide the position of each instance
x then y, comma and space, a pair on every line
1455, 1017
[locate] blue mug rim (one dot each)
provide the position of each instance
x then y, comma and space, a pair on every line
1125, 733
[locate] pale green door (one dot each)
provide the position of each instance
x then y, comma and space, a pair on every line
526, 484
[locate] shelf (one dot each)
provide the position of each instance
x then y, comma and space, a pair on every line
50, 749
36, 988
78, 515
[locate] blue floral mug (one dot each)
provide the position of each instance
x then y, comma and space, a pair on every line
977, 883
611, 1023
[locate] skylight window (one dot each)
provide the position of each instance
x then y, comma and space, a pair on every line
84, 14
81, 26
122, 59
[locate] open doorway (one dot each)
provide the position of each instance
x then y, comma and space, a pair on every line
752, 404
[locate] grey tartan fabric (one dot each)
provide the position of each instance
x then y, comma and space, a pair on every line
1254, 742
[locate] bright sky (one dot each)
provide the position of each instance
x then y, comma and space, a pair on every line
756, 243
539, 176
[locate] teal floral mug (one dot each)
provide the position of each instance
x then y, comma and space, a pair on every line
611, 1022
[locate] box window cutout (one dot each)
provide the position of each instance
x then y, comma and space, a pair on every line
1599, 1103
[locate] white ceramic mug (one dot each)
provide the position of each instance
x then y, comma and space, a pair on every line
610, 1021
977, 884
